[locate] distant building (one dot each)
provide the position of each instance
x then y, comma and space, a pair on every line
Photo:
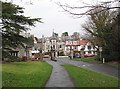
27, 51
21, 51
88, 47
64, 45
72, 45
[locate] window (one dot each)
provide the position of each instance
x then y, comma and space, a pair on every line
84, 52
53, 46
75, 47
60, 46
67, 49
53, 42
35, 48
89, 52
48, 46
89, 47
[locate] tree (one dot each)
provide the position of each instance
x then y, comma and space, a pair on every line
76, 35
103, 24
56, 34
72, 9
14, 22
65, 34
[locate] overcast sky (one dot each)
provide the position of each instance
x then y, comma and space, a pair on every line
53, 16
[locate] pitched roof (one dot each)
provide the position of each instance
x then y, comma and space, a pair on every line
84, 42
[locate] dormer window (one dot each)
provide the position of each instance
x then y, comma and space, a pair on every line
89, 47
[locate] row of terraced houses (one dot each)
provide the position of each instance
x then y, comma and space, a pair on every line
64, 44
61, 45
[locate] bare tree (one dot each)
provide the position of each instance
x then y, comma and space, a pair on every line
105, 5
103, 24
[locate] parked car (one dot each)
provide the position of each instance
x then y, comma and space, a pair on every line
77, 55
46, 56
89, 55
34, 58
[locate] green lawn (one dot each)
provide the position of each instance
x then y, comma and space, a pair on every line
25, 74
88, 78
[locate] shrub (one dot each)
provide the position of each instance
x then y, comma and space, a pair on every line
11, 59
47, 53
61, 54
97, 57
24, 58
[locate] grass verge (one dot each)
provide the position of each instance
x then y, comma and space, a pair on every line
25, 74
87, 59
87, 78
114, 63
93, 60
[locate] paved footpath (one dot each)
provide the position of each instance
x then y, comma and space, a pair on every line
59, 76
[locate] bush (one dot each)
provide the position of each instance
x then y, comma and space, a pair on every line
15, 58
11, 59
111, 53
97, 57
24, 58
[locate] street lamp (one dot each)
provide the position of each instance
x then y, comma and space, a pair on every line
100, 50
26, 52
71, 52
